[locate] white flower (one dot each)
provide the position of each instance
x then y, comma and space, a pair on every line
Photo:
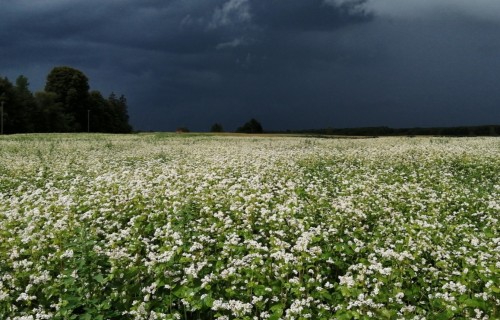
347, 280
67, 254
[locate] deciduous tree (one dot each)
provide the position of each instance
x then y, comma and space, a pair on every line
252, 126
216, 127
72, 89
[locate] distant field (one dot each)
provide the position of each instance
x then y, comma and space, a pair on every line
199, 226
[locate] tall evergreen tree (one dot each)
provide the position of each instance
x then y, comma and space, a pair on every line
119, 114
99, 113
25, 106
8, 97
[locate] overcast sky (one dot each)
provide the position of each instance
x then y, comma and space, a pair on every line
291, 64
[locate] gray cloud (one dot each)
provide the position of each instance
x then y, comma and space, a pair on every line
483, 10
290, 63
232, 12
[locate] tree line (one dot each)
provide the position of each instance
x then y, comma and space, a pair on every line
251, 126
461, 131
65, 105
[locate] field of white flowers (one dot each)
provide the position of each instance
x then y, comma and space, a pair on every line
159, 226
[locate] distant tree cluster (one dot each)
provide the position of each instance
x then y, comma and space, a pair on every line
252, 126
66, 105
487, 130
217, 127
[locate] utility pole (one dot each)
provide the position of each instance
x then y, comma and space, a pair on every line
2, 102
88, 120
1, 116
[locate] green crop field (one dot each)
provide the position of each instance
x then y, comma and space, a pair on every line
165, 226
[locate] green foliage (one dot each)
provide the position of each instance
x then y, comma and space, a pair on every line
162, 227
117, 108
71, 88
65, 106
67, 83
252, 126
216, 127
50, 114
486, 130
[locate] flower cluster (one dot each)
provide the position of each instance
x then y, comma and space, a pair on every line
157, 226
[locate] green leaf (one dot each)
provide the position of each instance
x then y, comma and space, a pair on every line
445, 315
209, 301
387, 314
474, 303
69, 281
180, 292
495, 289
259, 290
99, 278
344, 315
277, 309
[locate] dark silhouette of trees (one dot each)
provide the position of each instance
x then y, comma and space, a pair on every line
71, 87
50, 114
66, 105
100, 115
216, 127
26, 106
252, 126
19, 105
7, 97
117, 108
486, 130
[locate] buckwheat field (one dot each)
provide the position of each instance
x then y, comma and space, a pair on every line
164, 226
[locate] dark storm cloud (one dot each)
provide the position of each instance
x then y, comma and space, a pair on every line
307, 15
290, 63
